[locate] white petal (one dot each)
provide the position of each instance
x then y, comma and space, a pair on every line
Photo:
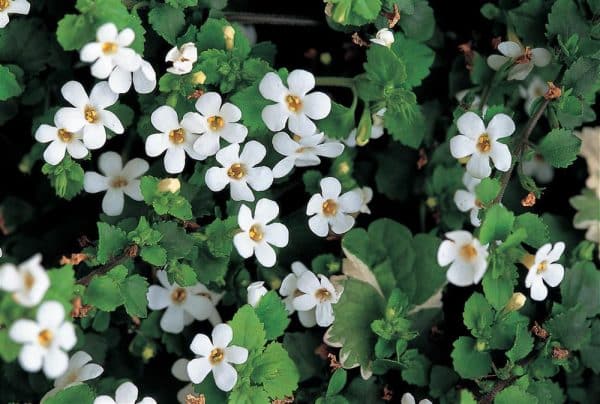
556, 252
284, 167
31, 358
193, 122
104, 399
301, 125
198, 369
76, 149
324, 314
3, 19
330, 149
201, 345
308, 283
225, 376
228, 155
407, 398
240, 191
520, 71
253, 153
102, 96
539, 291
460, 274
319, 225
317, 105
300, 82
277, 234
351, 201
75, 94
271, 87
230, 113
126, 393
113, 202
243, 244
474, 216
46, 133
305, 302
72, 119
199, 307
126, 37
260, 178
234, 132
165, 119
172, 320
18, 7
464, 200
94, 182
174, 160
55, 363
209, 104
479, 166
144, 79
282, 143
265, 254
330, 188
135, 168
266, 210
236, 354
66, 336
460, 237
207, 144
471, 125
158, 297
10, 279
119, 80
102, 67
446, 253
222, 335
55, 152
554, 274
245, 219
500, 126
501, 156
179, 370
23, 331
541, 57
90, 371
107, 32
110, 164
307, 318
78, 359
510, 49
341, 223
156, 144
216, 178
51, 314
275, 116
315, 204
94, 136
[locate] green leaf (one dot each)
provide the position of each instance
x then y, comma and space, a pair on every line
143, 234
248, 330
497, 224
251, 103
275, 371
441, 380
167, 21
514, 394
182, 274
487, 190
354, 12
175, 240
66, 177
384, 67
537, 231
134, 290
468, 362
220, 236
403, 118
154, 255
420, 24
80, 393
582, 76
339, 122
522, 346
527, 22
211, 36
9, 350
478, 315
272, 313
337, 382
9, 86
571, 328
104, 292
565, 19
416, 369
111, 241
546, 392
559, 147
301, 347
498, 288
74, 31
420, 57
590, 353
62, 286
580, 288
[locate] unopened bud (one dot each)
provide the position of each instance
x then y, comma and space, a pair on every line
431, 202
199, 77
171, 185
529, 200
228, 35
528, 260
325, 58
517, 300
147, 353
481, 346
464, 160
363, 132
553, 92
344, 168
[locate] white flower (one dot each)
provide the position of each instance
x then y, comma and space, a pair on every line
214, 317
539, 169
216, 356
111, 50
366, 195
467, 256
218, 121
61, 141
179, 371
302, 151
318, 293
536, 89
293, 103
257, 234
183, 58
79, 370
384, 37
523, 59
117, 181
255, 290
482, 143
45, 340
12, 7
543, 269
89, 113
28, 282
176, 137
239, 172
143, 78
408, 398
466, 201
330, 209
289, 290
183, 304
127, 393
376, 128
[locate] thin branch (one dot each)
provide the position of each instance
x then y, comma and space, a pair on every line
270, 19
498, 387
129, 252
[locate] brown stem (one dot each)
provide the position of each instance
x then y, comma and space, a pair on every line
498, 387
129, 252
269, 19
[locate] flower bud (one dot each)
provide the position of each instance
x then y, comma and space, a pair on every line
515, 303
148, 353
228, 35
384, 37
363, 132
481, 346
199, 77
171, 185
256, 290
528, 260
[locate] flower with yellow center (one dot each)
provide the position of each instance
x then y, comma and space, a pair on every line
78, 370
544, 269
216, 356
28, 282
258, 234
12, 7
60, 141
466, 200
522, 58
256, 290
319, 294
183, 58
465, 255
481, 143
289, 290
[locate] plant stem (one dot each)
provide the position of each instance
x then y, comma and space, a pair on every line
129, 252
270, 19
498, 387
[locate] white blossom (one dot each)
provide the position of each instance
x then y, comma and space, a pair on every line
522, 58
12, 7
216, 356
89, 113
482, 143
239, 171
302, 151
183, 58
317, 293
538, 168
384, 37
255, 290
60, 142
293, 103
289, 290
143, 78
117, 181
468, 258
183, 304
79, 370
127, 393
44, 340
408, 398
28, 282
175, 137
590, 150
535, 89
258, 234
179, 371
330, 209
466, 200
366, 195
545, 269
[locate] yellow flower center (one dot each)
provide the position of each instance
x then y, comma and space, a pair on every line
216, 356
329, 207
45, 338
109, 48
119, 182
256, 233
483, 143
63, 134
236, 171
542, 267
323, 294
178, 295
297, 138
215, 122
4, 4
525, 57
177, 136
468, 252
90, 113
28, 281
293, 102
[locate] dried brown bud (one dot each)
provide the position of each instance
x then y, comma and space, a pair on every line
192, 399
538, 331
553, 92
423, 160
467, 51
286, 400
74, 259
496, 41
392, 16
79, 310
333, 362
357, 40
132, 250
388, 394
196, 94
529, 200
560, 353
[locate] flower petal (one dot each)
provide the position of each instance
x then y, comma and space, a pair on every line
243, 244
199, 307
319, 225
174, 160
225, 376
164, 119
284, 167
351, 201
156, 144
31, 357
113, 202
520, 71
479, 166
317, 105
471, 125
265, 254
234, 132
301, 125
341, 223
179, 370
500, 126
253, 153
55, 152
300, 82
510, 49
556, 252
500, 155
107, 32
158, 297
72, 118
110, 164
236, 354
230, 113
330, 188
541, 56
120, 80
277, 234
275, 116
126, 393
271, 87
315, 204
460, 274
172, 320
76, 149
305, 302
24, 330
209, 104
538, 291
144, 79
554, 274
240, 191
216, 178
446, 253
260, 178
464, 200
51, 314
94, 136
324, 314
201, 345
90, 371
135, 168
94, 182
198, 369
55, 363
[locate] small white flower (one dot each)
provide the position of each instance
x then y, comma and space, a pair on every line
111, 50
183, 58
218, 121
214, 317
467, 256
289, 290
183, 304
384, 37
255, 290
127, 393
329, 208
117, 181
539, 169
408, 398
61, 141
318, 293
257, 234
239, 172
536, 89
376, 128
45, 340
482, 143
366, 195
302, 151
466, 201
293, 103
523, 59
475, 104
28, 282
12, 7
179, 371
79, 370
89, 113
544, 269
176, 137
143, 78
216, 356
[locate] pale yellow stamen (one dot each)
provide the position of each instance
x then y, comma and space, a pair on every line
483, 143
294, 103
90, 113
256, 233
4, 4
330, 207
28, 281
216, 356
468, 252
108, 48
323, 294
177, 136
236, 171
542, 267
64, 135
45, 338
215, 123
178, 295
119, 182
